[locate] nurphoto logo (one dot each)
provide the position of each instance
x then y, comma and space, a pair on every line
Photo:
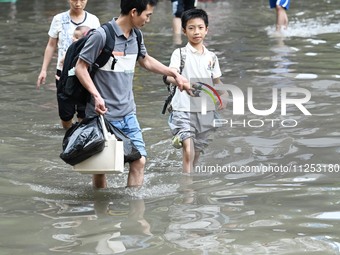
280, 100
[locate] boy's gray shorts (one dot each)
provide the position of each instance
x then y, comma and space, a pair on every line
193, 125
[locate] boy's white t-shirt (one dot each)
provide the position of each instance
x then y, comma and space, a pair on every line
62, 28
197, 67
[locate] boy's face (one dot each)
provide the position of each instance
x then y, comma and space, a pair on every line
140, 20
195, 30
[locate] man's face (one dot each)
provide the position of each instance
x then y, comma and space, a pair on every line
140, 20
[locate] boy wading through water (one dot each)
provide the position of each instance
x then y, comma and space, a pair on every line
189, 125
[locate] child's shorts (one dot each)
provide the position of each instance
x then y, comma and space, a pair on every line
184, 125
283, 3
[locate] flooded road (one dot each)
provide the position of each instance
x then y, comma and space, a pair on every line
266, 185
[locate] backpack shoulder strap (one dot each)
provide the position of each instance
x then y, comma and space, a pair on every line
214, 57
172, 87
106, 52
183, 55
139, 42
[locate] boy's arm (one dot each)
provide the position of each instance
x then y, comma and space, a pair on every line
170, 79
155, 66
85, 79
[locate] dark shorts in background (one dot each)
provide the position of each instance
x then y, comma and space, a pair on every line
179, 6
66, 108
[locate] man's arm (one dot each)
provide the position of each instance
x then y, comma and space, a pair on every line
155, 66
85, 79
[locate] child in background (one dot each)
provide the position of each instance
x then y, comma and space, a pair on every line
79, 32
191, 126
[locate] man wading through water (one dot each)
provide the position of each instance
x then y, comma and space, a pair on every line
111, 91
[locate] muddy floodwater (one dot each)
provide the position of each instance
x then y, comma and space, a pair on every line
267, 184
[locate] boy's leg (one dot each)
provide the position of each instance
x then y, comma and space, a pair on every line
196, 158
182, 129
188, 155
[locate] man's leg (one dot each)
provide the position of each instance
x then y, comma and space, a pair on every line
136, 173
131, 128
99, 181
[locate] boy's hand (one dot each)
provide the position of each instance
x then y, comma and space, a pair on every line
224, 95
183, 84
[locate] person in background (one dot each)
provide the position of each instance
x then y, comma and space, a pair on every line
189, 126
178, 7
60, 37
112, 87
281, 6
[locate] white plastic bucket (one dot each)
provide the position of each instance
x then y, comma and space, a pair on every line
108, 161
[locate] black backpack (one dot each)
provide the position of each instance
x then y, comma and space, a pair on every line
69, 84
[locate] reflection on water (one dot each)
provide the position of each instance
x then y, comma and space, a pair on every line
47, 208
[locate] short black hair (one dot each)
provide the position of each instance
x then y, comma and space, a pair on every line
193, 14
127, 5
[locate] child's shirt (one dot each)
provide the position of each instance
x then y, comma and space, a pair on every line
197, 67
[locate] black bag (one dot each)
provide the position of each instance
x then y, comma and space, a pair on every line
82, 141
131, 153
69, 84
86, 138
